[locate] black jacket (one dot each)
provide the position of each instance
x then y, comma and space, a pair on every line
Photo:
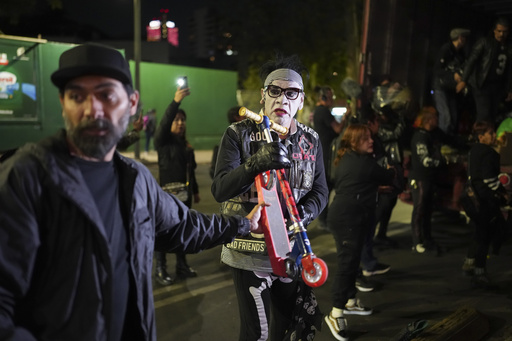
357, 178
484, 169
449, 61
55, 260
306, 175
234, 187
426, 157
176, 160
390, 134
480, 60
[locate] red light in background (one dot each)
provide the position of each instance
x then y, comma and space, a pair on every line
172, 36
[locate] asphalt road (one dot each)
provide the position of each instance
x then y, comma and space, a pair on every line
417, 286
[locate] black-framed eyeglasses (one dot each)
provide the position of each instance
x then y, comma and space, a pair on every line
275, 91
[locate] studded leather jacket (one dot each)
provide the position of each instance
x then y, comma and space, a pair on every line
236, 190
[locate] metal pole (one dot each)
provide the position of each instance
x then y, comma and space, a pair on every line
364, 42
136, 55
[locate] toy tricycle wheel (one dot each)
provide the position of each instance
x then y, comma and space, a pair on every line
317, 276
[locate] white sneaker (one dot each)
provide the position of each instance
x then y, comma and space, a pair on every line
363, 284
379, 269
419, 248
354, 307
338, 326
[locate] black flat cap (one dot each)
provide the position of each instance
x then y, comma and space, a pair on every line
91, 59
456, 32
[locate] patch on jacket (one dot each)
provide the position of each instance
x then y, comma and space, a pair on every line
306, 147
248, 244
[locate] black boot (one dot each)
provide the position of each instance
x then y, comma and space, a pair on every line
182, 268
161, 274
163, 277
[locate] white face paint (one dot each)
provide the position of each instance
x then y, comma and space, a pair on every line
281, 109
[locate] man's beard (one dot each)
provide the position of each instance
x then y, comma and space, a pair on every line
96, 146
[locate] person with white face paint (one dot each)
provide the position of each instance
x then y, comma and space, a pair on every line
243, 154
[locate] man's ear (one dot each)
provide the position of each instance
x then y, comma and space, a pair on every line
134, 100
301, 102
61, 99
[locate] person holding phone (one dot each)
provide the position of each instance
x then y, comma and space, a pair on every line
176, 165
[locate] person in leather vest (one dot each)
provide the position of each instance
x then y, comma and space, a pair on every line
243, 154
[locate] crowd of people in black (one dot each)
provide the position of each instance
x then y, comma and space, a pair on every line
428, 149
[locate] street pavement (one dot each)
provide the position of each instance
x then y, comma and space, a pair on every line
418, 286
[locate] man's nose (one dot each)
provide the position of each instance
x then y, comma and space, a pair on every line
93, 107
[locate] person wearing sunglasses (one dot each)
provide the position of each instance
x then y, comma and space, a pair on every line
266, 301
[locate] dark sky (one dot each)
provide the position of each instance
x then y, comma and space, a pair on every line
115, 17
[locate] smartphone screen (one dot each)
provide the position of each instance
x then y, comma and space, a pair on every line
183, 82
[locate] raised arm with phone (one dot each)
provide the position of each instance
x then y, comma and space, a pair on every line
176, 168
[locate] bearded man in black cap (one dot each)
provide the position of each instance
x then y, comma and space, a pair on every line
79, 222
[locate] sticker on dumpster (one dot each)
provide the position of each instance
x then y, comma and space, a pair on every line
8, 84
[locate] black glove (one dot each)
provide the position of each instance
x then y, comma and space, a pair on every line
272, 155
305, 217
